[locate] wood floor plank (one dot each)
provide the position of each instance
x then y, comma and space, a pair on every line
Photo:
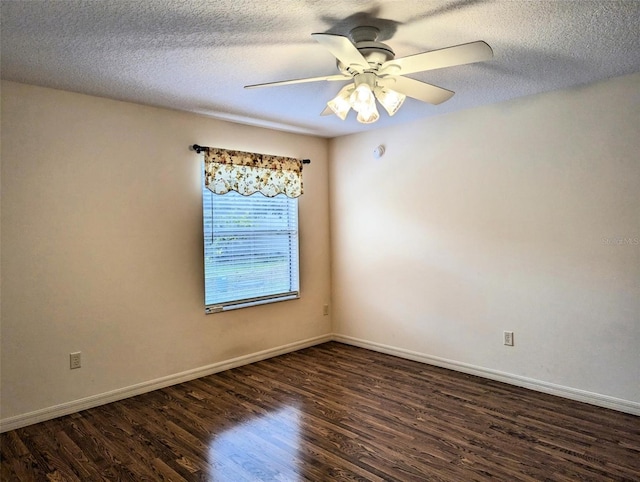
331, 412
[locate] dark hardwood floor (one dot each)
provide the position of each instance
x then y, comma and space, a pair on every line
331, 412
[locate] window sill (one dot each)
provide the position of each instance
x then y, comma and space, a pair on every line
221, 308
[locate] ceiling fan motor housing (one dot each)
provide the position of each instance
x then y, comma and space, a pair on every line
376, 53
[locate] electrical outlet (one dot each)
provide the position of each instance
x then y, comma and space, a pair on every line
508, 338
325, 309
74, 360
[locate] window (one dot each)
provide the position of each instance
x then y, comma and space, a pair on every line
250, 249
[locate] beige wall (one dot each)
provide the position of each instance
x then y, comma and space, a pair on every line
102, 248
521, 216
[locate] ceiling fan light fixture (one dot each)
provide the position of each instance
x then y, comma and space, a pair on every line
362, 99
368, 116
340, 104
390, 99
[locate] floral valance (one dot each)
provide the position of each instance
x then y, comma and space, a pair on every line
248, 173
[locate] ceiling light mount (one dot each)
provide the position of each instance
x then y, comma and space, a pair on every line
364, 33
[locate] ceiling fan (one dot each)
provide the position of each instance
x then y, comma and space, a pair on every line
377, 74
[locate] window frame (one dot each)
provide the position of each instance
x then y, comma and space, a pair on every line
293, 259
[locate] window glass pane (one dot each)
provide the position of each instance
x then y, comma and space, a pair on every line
250, 247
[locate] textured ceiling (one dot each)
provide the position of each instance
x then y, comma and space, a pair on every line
197, 55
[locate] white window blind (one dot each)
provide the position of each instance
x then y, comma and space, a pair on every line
250, 249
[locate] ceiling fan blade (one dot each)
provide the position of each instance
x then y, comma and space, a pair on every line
299, 81
327, 111
416, 89
438, 59
342, 49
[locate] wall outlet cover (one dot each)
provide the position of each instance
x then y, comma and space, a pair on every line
508, 338
75, 360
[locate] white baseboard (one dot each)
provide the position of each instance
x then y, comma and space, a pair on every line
74, 406
605, 401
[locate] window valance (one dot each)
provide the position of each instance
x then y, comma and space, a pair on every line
248, 173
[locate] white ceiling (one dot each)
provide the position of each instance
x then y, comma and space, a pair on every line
197, 55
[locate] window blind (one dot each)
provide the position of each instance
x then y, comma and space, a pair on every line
250, 249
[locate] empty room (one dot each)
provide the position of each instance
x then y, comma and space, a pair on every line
295, 240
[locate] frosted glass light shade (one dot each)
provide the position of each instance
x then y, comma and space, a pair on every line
362, 99
340, 106
369, 115
340, 103
390, 99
